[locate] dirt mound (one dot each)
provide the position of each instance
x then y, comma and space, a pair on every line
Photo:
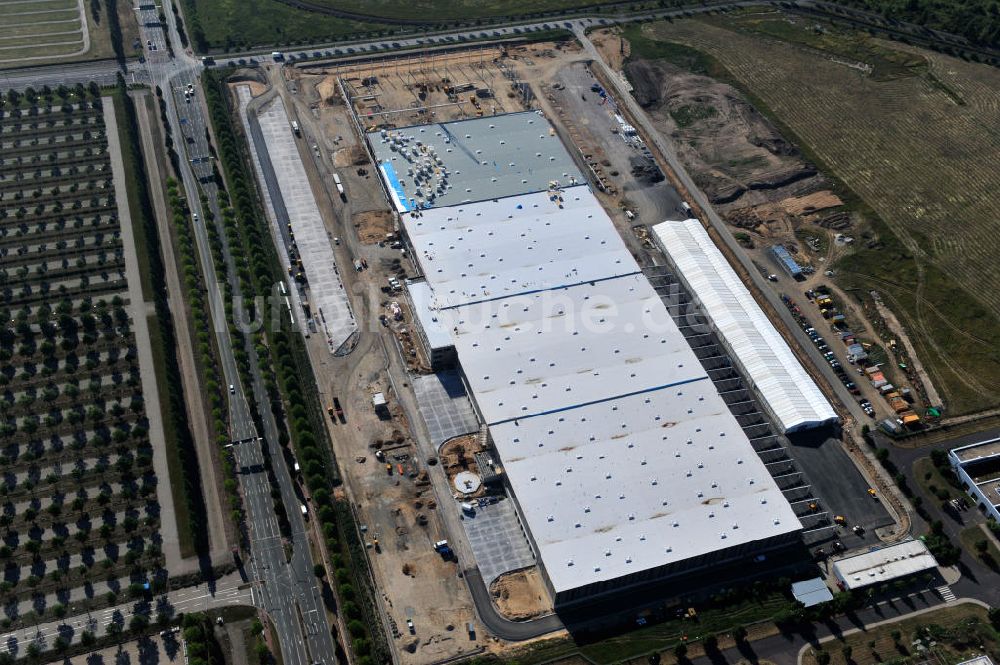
521, 595
372, 225
647, 82
354, 155
611, 47
729, 148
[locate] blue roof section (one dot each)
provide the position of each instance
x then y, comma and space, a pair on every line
786, 260
399, 195
811, 592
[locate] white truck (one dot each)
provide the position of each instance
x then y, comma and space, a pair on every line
340, 186
295, 128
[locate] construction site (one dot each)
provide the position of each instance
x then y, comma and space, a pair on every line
421, 168
410, 90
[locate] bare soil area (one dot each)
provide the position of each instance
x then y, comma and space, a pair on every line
521, 595
757, 180
458, 455
418, 88
614, 49
735, 155
353, 155
373, 225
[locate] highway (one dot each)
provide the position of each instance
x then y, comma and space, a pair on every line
289, 593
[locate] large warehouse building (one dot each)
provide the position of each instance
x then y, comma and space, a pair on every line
787, 392
624, 463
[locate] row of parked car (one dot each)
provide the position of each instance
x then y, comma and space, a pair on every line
828, 355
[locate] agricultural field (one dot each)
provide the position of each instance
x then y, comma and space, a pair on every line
79, 511
233, 25
450, 10
41, 30
909, 139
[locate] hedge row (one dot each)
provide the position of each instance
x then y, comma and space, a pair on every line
205, 354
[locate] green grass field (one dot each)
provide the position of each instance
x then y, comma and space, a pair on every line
911, 136
241, 24
229, 25
26, 32
658, 637
972, 538
451, 10
8, 8
957, 633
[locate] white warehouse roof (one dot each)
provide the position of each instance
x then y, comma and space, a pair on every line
542, 352
637, 482
791, 396
521, 244
620, 452
437, 332
885, 564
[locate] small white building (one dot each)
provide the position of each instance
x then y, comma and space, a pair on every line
978, 467
884, 565
380, 405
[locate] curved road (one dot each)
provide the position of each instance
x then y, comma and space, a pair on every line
505, 629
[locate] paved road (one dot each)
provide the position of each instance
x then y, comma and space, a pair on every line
226, 592
290, 595
379, 48
977, 580
104, 72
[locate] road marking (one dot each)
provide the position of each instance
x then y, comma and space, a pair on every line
946, 593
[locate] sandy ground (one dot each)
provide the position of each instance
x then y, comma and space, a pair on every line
373, 225
396, 506
732, 152
457, 455
798, 205
416, 88
521, 595
612, 47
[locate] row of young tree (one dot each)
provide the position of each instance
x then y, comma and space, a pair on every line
976, 20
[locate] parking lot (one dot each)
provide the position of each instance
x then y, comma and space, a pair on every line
497, 539
444, 406
306, 234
